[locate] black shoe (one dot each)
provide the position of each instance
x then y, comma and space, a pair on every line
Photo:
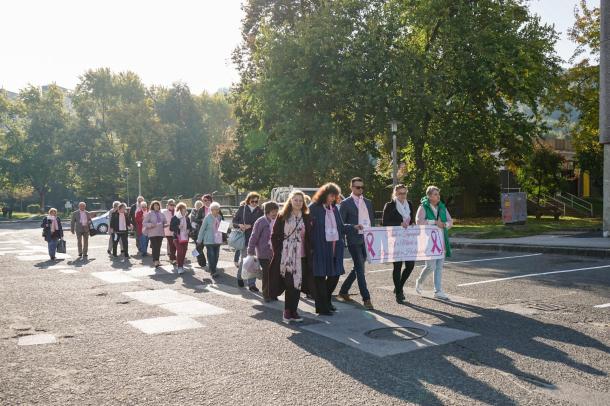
332, 308
109, 253
400, 300
253, 289
80, 255
400, 295
325, 313
127, 256
240, 283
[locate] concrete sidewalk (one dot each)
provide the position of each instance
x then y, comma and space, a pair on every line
547, 243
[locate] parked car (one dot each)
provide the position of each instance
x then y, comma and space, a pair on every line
280, 194
102, 222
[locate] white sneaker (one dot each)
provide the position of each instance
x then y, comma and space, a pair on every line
180, 270
441, 295
417, 287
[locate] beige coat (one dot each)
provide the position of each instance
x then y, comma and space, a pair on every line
75, 224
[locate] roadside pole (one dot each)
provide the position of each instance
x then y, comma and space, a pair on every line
604, 107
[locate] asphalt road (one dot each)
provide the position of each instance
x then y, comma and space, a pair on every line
521, 328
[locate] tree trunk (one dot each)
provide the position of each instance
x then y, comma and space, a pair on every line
42, 194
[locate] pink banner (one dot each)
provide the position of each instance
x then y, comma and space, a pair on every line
393, 244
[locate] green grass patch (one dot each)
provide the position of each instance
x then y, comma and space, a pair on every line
493, 227
23, 216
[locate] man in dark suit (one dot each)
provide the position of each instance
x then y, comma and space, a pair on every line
357, 209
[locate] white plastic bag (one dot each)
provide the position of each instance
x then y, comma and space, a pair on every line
251, 268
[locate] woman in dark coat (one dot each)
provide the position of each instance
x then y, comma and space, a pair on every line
399, 212
120, 224
328, 241
52, 231
291, 266
244, 220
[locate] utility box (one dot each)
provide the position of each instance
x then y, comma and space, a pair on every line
514, 208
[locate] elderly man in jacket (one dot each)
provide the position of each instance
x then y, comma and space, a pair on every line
79, 224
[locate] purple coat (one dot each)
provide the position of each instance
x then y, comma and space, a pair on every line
260, 240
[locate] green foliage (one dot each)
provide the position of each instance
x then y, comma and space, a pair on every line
578, 93
321, 79
540, 174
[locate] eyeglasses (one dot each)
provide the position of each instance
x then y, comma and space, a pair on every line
358, 187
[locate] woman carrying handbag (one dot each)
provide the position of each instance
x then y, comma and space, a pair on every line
53, 232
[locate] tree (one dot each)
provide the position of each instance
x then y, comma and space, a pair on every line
577, 94
320, 80
35, 130
540, 175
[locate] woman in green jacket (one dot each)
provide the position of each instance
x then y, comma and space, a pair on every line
211, 237
434, 212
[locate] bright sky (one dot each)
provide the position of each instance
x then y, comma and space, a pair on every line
162, 41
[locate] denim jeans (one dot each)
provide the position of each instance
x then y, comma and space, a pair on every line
248, 282
358, 254
433, 266
213, 254
52, 247
143, 246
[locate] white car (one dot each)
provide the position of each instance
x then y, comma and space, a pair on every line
102, 222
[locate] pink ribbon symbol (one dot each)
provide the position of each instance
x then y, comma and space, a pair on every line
435, 240
369, 243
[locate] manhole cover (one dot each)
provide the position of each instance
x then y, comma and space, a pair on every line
396, 333
546, 307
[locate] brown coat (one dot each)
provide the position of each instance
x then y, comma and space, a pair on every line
276, 284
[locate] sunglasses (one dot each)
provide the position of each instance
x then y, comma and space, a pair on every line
358, 187
254, 201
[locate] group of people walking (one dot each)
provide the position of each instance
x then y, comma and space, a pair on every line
300, 246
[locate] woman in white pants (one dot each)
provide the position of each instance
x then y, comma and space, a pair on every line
434, 212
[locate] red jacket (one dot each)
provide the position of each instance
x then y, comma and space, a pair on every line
139, 220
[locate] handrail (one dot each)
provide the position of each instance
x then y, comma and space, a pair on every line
577, 201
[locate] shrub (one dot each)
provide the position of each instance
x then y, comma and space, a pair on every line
33, 208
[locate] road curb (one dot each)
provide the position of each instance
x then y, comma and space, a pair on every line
545, 249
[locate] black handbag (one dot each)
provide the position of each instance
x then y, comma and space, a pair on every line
61, 246
92, 230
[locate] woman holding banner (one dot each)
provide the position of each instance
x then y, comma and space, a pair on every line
328, 240
399, 212
434, 212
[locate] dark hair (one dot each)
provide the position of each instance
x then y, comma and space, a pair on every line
207, 197
270, 206
324, 191
155, 202
356, 179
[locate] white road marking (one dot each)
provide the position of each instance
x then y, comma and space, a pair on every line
165, 324
193, 308
114, 277
144, 271
492, 259
534, 275
159, 296
603, 306
68, 271
37, 339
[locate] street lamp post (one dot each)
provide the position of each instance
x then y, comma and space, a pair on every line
127, 177
394, 129
139, 163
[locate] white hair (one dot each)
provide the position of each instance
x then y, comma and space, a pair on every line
432, 189
215, 206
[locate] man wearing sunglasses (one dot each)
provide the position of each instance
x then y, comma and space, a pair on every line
357, 209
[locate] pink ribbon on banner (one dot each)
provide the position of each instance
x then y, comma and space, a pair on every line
370, 238
435, 240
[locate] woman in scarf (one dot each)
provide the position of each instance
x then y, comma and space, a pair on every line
399, 212
154, 227
181, 227
52, 231
290, 268
434, 212
328, 241
141, 236
120, 225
